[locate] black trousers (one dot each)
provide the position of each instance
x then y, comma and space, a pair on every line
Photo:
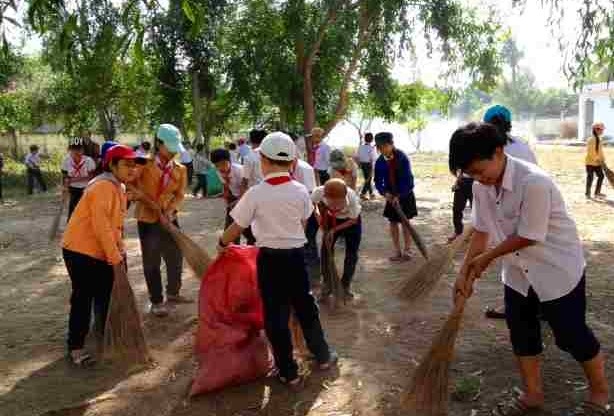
75, 196
323, 176
312, 256
158, 244
462, 194
201, 184
1, 198
367, 173
566, 316
284, 285
35, 175
591, 171
190, 169
92, 283
353, 236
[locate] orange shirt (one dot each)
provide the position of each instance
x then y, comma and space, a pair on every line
96, 226
167, 193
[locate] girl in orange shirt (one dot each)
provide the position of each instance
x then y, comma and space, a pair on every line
93, 248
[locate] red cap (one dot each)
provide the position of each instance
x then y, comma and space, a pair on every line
119, 151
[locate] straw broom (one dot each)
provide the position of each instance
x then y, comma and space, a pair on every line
123, 335
427, 394
53, 231
412, 230
609, 174
420, 283
330, 272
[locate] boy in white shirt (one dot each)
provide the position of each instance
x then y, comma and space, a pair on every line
277, 209
77, 171
230, 175
339, 212
321, 155
252, 174
520, 211
366, 155
33, 162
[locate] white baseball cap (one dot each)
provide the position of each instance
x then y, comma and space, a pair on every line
278, 146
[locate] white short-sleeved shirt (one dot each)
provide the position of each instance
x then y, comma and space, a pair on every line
244, 151
276, 213
251, 168
366, 153
305, 174
520, 150
352, 207
185, 157
531, 206
33, 160
322, 157
236, 174
83, 169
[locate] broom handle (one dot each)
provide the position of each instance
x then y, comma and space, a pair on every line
414, 233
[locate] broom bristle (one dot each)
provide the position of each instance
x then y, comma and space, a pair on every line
422, 282
123, 335
609, 174
427, 393
298, 340
331, 274
197, 258
53, 231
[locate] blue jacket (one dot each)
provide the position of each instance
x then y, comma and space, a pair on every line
404, 177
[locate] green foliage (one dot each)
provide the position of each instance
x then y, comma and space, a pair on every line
467, 388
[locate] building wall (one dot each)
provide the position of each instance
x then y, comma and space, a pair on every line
603, 111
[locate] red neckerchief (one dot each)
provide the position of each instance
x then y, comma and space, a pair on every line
344, 171
166, 178
77, 168
278, 180
330, 217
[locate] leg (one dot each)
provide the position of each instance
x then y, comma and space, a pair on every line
525, 334
353, 236
312, 258
227, 222
407, 239
600, 177
149, 236
1, 187
41, 180
276, 306
79, 270
30, 181
567, 318
369, 178
305, 307
173, 260
589, 179
394, 234
198, 185
365, 173
458, 206
102, 297
75, 197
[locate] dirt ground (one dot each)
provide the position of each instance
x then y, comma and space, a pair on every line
379, 338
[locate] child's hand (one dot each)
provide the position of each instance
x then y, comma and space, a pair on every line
477, 266
463, 286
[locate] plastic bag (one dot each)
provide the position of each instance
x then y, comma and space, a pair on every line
231, 346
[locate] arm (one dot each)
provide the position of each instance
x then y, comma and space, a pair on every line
231, 234
100, 211
178, 195
380, 183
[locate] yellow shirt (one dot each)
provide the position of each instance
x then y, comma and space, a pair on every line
96, 226
167, 193
594, 157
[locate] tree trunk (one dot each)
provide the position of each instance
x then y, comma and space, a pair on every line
105, 118
15, 145
196, 104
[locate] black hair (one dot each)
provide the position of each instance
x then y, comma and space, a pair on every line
597, 140
232, 146
256, 136
33, 148
504, 126
146, 146
384, 137
220, 155
200, 147
280, 163
475, 141
368, 137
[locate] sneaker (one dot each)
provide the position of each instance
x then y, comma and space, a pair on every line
332, 361
158, 309
347, 293
178, 299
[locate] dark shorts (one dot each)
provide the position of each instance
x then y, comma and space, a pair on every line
408, 206
566, 316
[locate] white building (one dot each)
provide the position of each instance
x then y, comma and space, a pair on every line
596, 104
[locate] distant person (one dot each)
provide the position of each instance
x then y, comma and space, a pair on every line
243, 150
185, 157
321, 155
33, 166
395, 180
1, 172
201, 167
252, 173
366, 155
595, 160
234, 153
77, 171
344, 168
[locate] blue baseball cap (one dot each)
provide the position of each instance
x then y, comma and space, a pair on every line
171, 137
105, 148
498, 110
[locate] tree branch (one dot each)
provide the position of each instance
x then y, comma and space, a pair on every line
330, 18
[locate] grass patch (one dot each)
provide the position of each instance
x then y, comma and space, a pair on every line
467, 388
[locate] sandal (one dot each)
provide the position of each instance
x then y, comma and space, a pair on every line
296, 384
588, 409
493, 313
83, 360
396, 259
513, 407
330, 363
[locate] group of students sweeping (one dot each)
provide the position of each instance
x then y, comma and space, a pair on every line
519, 219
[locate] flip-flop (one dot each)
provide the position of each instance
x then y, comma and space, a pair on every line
296, 384
492, 313
513, 407
588, 409
85, 360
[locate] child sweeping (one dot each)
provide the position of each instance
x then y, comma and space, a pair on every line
277, 209
520, 209
33, 166
344, 168
201, 167
93, 248
394, 180
340, 217
231, 175
77, 170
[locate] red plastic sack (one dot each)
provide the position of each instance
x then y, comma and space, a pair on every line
231, 346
